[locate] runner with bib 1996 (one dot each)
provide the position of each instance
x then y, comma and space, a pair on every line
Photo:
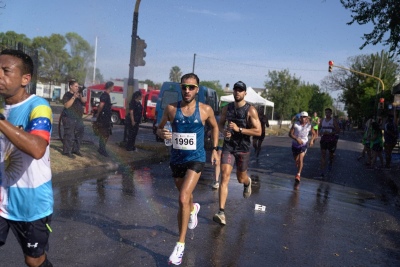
188, 156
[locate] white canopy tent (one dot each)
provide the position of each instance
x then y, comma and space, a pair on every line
251, 97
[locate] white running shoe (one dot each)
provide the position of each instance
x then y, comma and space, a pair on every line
177, 254
220, 218
215, 185
247, 189
193, 216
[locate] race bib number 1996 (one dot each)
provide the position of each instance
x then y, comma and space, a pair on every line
184, 141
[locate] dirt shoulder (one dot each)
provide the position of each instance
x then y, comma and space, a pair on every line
276, 130
64, 166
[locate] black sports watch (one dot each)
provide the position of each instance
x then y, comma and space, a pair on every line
2, 117
216, 148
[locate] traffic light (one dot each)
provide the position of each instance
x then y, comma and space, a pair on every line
140, 54
381, 104
330, 65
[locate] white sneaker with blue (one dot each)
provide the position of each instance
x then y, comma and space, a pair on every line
193, 216
177, 254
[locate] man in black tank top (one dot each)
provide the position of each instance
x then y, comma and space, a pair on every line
242, 122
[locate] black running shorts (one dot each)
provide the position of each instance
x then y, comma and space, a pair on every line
179, 170
33, 237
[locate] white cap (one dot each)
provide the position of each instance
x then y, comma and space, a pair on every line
304, 114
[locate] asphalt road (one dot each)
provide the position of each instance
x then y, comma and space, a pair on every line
128, 218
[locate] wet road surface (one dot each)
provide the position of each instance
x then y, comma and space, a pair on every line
128, 218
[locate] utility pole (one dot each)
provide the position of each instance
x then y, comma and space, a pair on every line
130, 89
129, 93
194, 61
95, 59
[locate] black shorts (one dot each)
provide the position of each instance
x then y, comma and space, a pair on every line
377, 147
298, 150
328, 145
33, 237
179, 170
241, 158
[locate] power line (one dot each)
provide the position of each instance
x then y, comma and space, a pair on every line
254, 65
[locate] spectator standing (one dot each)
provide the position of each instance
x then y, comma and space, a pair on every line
26, 202
135, 118
104, 118
376, 145
72, 120
390, 134
366, 142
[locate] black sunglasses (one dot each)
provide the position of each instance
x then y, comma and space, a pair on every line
191, 87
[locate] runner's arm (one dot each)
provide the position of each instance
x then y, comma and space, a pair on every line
255, 129
31, 144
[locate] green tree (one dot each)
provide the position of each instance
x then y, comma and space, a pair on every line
282, 89
319, 101
385, 17
360, 93
11, 36
80, 63
175, 74
53, 58
99, 77
214, 85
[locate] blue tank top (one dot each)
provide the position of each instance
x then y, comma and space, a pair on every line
191, 124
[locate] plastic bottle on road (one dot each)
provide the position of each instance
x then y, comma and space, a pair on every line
168, 142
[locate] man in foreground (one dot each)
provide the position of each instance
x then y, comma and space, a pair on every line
188, 156
26, 194
243, 122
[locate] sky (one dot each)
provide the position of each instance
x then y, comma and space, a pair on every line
233, 40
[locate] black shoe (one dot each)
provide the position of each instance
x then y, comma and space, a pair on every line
78, 153
103, 152
69, 155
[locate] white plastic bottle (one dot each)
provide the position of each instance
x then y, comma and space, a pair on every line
168, 142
